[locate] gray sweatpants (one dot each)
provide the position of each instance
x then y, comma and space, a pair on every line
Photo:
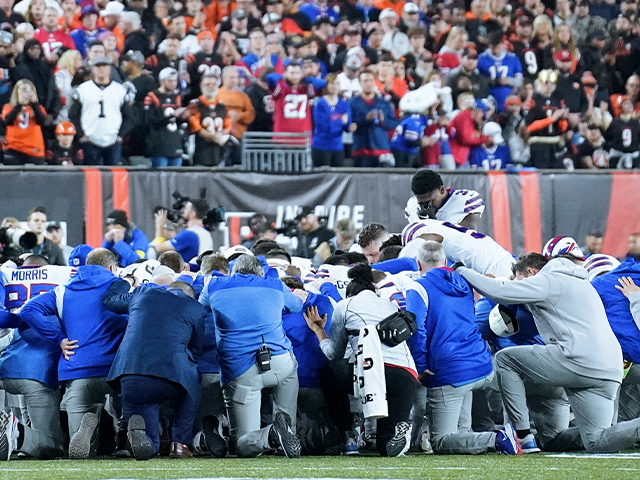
85, 395
447, 405
592, 400
242, 397
43, 435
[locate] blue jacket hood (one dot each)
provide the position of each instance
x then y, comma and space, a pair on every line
628, 266
453, 283
90, 276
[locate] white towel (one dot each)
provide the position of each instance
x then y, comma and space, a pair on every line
369, 383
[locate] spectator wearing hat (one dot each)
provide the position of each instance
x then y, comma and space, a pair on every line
319, 8
101, 113
331, 117
124, 239
569, 84
525, 49
254, 16
209, 122
563, 39
394, 40
502, 68
352, 38
90, 31
239, 30
98, 49
592, 58
467, 77
51, 37
410, 18
205, 61
374, 35
312, 234
31, 66
591, 155
63, 150
346, 232
293, 21
24, 118
110, 17
581, 22
135, 39
165, 116
56, 234
493, 154
348, 77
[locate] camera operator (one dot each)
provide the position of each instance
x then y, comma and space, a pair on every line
312, 235
37, 222
191, 241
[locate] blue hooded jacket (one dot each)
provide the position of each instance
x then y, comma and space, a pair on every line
447, 342
617, 308
305, 345
78, 307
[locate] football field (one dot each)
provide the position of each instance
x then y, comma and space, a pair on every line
584, 467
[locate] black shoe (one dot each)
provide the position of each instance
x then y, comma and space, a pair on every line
401, 441
141, 446
214, 443
80, 444
281, 436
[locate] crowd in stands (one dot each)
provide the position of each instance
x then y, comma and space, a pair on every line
437, 340
485, 84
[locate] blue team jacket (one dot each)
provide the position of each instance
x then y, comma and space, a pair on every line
447, 342
328, 125
83, 318
247, 311
409, 133
127, 249
371, 138
616, 305
306, 348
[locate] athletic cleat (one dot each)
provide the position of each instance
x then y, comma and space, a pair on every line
282, 437
80, 444
507, 441
8, 434
141, 445
351, 447
529, 444
214, 444
401, 441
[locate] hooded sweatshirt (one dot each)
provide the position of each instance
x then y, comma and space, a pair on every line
448, 342
618, 308
568, 313
75, 311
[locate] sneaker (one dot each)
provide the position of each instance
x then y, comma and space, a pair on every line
401, 441
214, 444
8, 434
529, 444
141, 445
507, 441
351, 447
80, 444
282, 437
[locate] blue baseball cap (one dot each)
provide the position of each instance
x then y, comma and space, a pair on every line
481, 105
78, 255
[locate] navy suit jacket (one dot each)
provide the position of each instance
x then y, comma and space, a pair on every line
163, 337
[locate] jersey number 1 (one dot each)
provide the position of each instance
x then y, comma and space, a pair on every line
102, 115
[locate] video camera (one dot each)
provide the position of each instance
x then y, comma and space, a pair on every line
212, 218
14, 242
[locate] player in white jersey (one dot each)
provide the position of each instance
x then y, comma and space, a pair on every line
432, 200
461, 244
337, 272
394, 287
23, 283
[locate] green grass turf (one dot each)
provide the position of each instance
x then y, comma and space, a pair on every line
418, 466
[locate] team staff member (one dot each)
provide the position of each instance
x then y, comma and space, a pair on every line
101, 113
581, 354
24, 118
451, 356
239, 342
194, 239
72, 316
157, 361
123, 238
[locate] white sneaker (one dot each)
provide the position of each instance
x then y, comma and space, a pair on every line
8, 434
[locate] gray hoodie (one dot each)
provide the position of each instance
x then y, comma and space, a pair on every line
568, 313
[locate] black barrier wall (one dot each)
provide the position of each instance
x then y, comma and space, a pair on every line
522, 209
